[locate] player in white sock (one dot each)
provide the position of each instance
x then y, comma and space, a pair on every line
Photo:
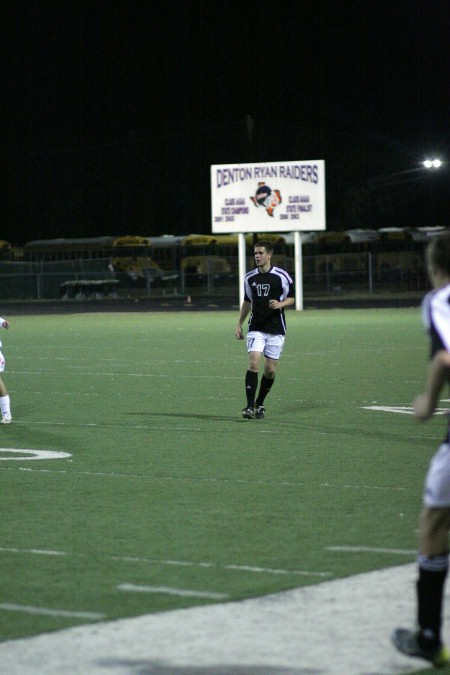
4, 397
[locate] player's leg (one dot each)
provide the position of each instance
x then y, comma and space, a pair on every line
272, 352
4, 397
255, 346
426, 641
251, 383
433, 567
267, 381
434, 527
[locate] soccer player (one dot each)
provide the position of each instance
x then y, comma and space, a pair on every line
267, 291
4, 397
434, 525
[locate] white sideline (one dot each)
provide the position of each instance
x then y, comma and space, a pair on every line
337, 627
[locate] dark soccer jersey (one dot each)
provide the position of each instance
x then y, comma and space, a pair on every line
259, 288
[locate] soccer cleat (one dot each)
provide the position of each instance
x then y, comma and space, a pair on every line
248, 413
6, 420
407, 642
260, 412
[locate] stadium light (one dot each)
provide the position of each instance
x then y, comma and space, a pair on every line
432, 163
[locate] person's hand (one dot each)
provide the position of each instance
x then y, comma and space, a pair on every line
239, 334
423, 408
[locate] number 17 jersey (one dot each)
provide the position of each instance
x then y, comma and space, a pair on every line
259, 288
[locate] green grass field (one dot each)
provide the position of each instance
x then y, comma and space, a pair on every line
167, 487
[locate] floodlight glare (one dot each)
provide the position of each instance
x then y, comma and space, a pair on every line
432, 163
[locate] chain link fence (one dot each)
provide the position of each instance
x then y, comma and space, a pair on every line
208, 275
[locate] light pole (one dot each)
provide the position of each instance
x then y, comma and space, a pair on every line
432, 164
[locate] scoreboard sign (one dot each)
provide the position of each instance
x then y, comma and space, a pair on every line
268, 197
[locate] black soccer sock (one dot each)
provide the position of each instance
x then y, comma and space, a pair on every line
251, 384
265, 387
430, 592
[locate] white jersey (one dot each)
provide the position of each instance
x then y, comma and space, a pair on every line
1, 326
436, 319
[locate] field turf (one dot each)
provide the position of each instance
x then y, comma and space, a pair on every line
168, 498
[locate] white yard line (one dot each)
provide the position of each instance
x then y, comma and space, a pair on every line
172, 563
25, 454
166, 590
271, 570
45, 611
30, 551
334, 628
372, 549
203, 479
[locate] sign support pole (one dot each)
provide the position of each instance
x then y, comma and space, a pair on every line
298, 271
242, 265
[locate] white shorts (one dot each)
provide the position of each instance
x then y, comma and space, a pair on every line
270, 345
2, 363
437, 482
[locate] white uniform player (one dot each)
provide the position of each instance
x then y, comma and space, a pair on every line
4, 397
436, 319
426, 642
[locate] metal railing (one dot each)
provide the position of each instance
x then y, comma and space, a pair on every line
329, 274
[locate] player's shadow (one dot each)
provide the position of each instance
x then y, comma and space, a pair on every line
187, 416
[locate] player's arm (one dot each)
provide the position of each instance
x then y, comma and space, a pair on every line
278, 304
245, 309
438, 374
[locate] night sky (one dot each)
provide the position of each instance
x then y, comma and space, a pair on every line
114, 112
